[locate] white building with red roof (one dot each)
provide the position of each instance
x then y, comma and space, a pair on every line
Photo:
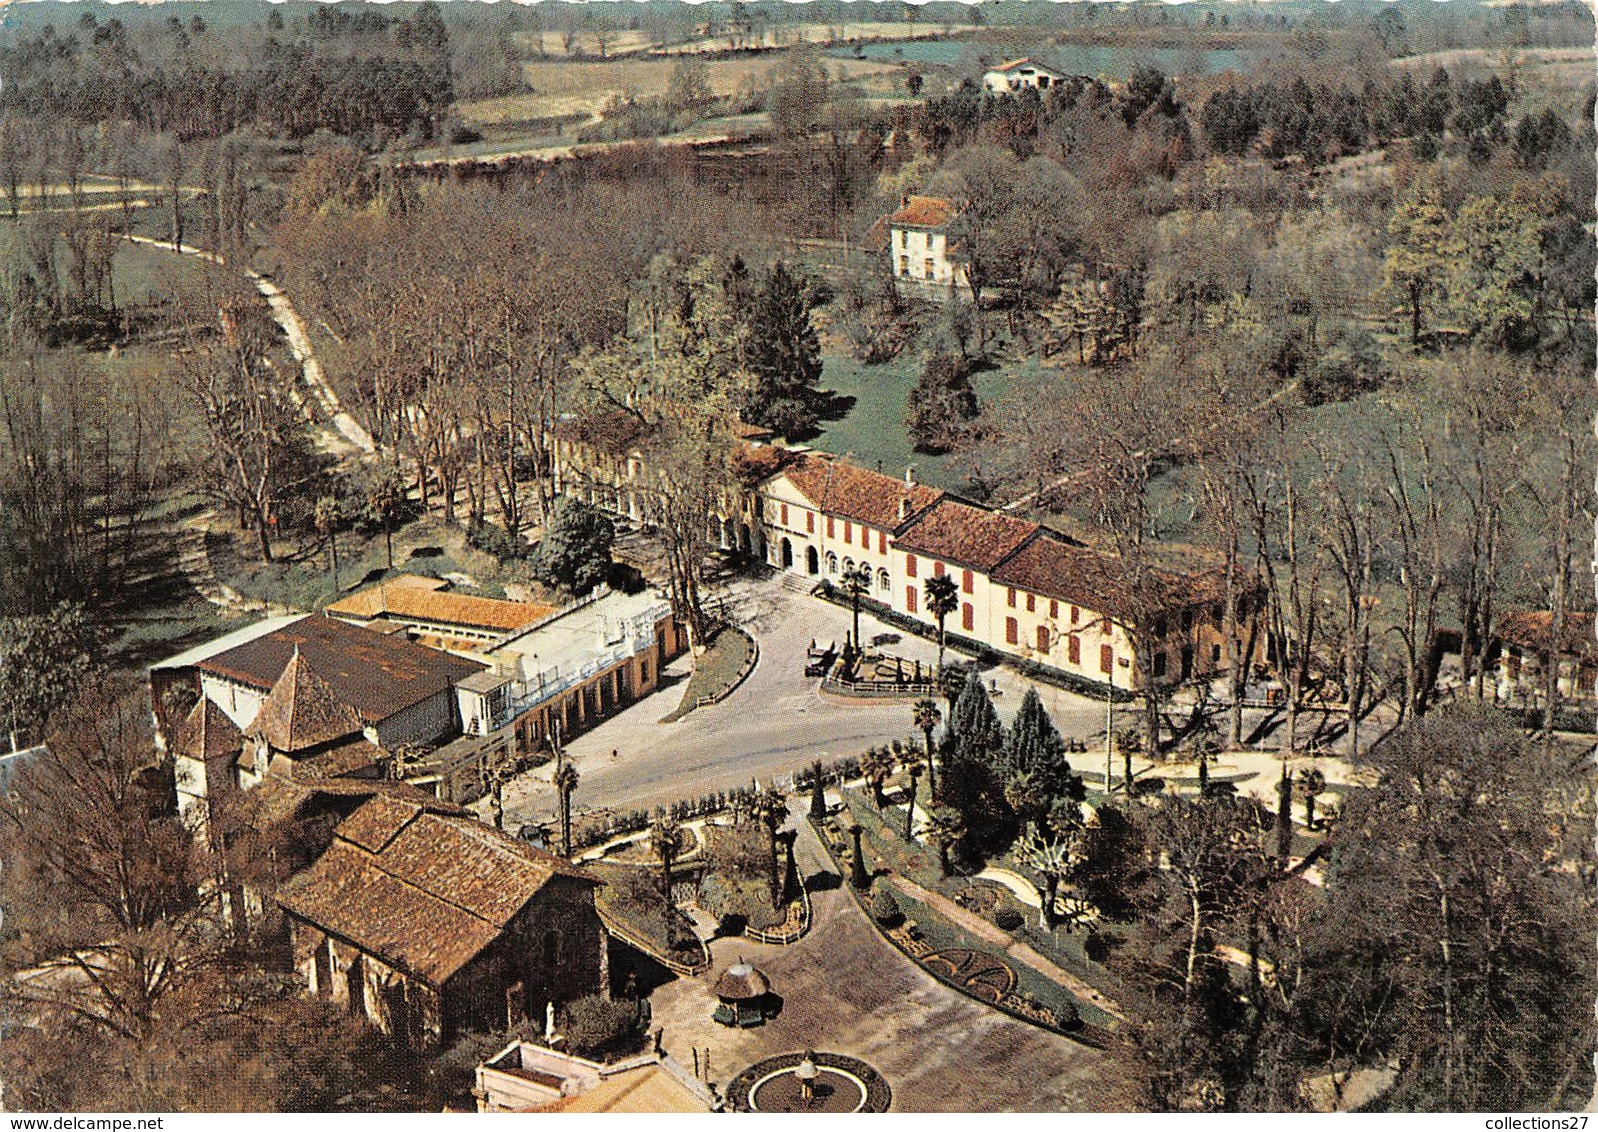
919, 245
1020, 74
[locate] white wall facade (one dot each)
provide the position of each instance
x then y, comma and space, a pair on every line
921, 255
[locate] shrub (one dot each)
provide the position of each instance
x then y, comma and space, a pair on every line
575, 551
594, 1025
495, 540
1352, 366
941, 404
884, 908
1007, 919
1067, 1016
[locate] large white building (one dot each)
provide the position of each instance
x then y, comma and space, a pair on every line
1021, 588
1020, 74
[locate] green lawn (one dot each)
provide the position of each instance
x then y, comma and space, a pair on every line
304, 580
715, 669
872, 433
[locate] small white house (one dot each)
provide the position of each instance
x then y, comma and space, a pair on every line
918, 244
1020, 74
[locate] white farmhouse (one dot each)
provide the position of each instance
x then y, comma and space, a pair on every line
1020, 74
918, 244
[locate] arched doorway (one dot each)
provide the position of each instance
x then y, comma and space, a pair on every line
787, 555
812, 561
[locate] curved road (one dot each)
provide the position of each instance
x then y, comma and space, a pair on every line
284, 314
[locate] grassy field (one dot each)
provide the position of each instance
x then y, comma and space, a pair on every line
304, 579
561, 88
873, 433
1537, 68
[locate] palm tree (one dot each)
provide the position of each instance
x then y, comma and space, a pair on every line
856, 582
327, 516
566, 780
1054, 858
666, 839
771, 810
927, 718
384, 498
945, 829
877, 766
1311, 785
943, 598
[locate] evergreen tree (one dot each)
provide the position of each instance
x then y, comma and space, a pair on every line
973, 744
784, 355
1034, 747
941, 404
575, 551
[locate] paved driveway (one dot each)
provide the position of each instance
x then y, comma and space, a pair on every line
847, 990
774, 723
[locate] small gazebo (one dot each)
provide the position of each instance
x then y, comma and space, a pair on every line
745, 995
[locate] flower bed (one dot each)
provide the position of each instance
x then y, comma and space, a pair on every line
955, 960
878, 1094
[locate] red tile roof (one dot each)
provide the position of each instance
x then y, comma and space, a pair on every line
280, 798
1532, 629
923, 212
403, 600
422, 891
1051, 567
836, 488
207, 733
967, 535
377, 675
302, 712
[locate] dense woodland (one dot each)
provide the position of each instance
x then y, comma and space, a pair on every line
1325, 323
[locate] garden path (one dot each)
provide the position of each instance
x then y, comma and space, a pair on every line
974, 924
847, 989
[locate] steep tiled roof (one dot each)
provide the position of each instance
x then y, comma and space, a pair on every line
1051, 567
351, 755
422, 891
376, 675
923, 212
302, 712
279, 798
848, 492
207, 733
1530, 628
404, 600
970, 536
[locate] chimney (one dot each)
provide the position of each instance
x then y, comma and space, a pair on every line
910, 474
904, 508
904, 200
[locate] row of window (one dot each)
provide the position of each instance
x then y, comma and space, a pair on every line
968, 579
928, 267
884, 583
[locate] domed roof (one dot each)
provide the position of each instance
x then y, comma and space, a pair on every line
742, 981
